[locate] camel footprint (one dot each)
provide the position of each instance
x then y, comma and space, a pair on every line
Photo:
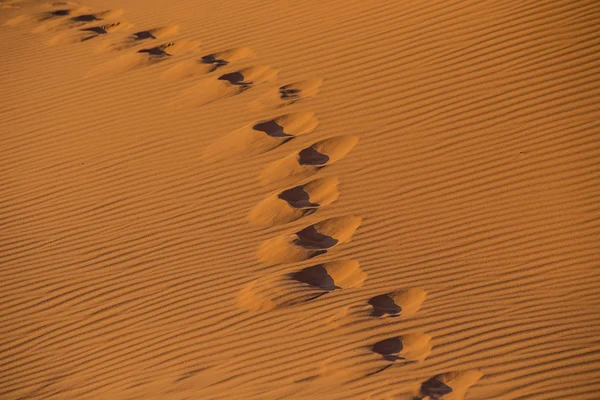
64, 19
206, 64
85, 34
288, 94
448, 386
309, 242
403, 303
261, 136
57, 14
89, 17
308, 161
226, 85
308, 284
294, 203
145, 36
148, 56
409, 347
405, 348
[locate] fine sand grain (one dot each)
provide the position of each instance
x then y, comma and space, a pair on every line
299, 200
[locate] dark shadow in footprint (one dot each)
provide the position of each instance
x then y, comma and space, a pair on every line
309, 160
310, 156
287, 93
214, 61
310, 238
143, 35
85, 18
236, 79
309, 242
298, 202
98, 30
434, 388
389, 348
272, 129
157, 51
60, 13
54, 14
317, 276
297, 197
384, 304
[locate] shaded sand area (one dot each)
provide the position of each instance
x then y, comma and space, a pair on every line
299, 200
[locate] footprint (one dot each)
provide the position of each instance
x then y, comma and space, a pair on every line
268, 293
140, 37
449, 386
399, 303
171, 49
288, 94
85, 18
341, 274
206, 64
161, 32
147, 56
64, 11
308, 161
85, 34
292, 204
309, 242
226, 85
76, 17
50, 18
410, 347
261, 136
96, 31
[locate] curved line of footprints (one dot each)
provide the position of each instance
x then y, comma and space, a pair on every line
288, 204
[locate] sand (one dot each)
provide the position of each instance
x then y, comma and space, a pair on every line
299, 200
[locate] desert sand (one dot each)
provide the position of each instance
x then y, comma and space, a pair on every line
334, 200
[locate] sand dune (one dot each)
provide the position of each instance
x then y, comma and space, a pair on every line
299, 200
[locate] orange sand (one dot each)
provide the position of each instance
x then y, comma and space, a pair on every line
167, 222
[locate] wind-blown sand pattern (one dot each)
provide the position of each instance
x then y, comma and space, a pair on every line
161, 237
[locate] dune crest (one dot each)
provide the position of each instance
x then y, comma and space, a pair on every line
262, 200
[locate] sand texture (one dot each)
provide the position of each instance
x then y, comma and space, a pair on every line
300, 200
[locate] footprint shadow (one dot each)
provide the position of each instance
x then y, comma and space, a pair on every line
309, 284
288, 94
140, 37
226, 85
294, 203
397, 350
206, 64
100, 30
148, 56
454, 383
309, 160
400, 303
261, 137
309, 242
85, 18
